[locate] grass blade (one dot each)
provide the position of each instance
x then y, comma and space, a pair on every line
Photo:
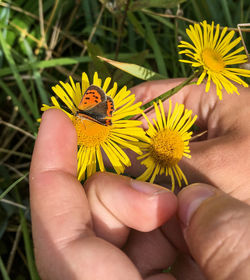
3, 194
18, 78
27, 243
46, 64
4, 18
17, 103
225, 8
3, 270
151, 39
36, 74
136, 24
166, 21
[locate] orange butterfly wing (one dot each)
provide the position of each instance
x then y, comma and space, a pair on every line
110, 109
95, 105
91, 97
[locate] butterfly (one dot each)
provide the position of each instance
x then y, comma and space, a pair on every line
96, 106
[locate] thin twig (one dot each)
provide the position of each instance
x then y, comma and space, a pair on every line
22, 165
26, 33
5, 132
14, 248
190, 21
43, 39
14, 149
11, 152
12, 168
150, 105
121, 27
25, 77
67, 73
11, 134
52, 15
90, 37
53, 41
242, 39
18, 9
13, 203
198, 135
18, 129
69, 23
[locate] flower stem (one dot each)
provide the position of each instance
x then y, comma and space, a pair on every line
170, 92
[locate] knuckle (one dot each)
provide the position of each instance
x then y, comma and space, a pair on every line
226, 250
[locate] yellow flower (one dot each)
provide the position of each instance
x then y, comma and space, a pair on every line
94, 138
167, 142
212, 52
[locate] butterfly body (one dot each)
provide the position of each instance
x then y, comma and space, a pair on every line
96, 106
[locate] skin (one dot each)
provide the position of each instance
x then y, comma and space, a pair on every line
118, 228
226, 142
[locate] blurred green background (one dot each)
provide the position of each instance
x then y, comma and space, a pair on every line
43, 42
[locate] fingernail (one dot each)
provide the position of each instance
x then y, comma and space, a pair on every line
147, 188
190, 200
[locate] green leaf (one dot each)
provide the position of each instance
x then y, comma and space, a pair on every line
134, 70
45, 64
124, 78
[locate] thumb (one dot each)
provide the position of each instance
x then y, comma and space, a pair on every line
216, 228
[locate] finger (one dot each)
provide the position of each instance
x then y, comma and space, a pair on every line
227, 139
209, 109
65, 244
192, 96
216, 229
214, 159
172, 231
59, 208
55, 147
151, 252
118, 203
55, 193
186, 268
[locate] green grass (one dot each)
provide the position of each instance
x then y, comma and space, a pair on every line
43, 45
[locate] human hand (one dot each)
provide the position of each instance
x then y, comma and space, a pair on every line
61, 218
223, 158
83, 235
113, 231
217, 231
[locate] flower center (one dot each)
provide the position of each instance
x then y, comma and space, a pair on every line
213, 60
90, 133
167, 147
